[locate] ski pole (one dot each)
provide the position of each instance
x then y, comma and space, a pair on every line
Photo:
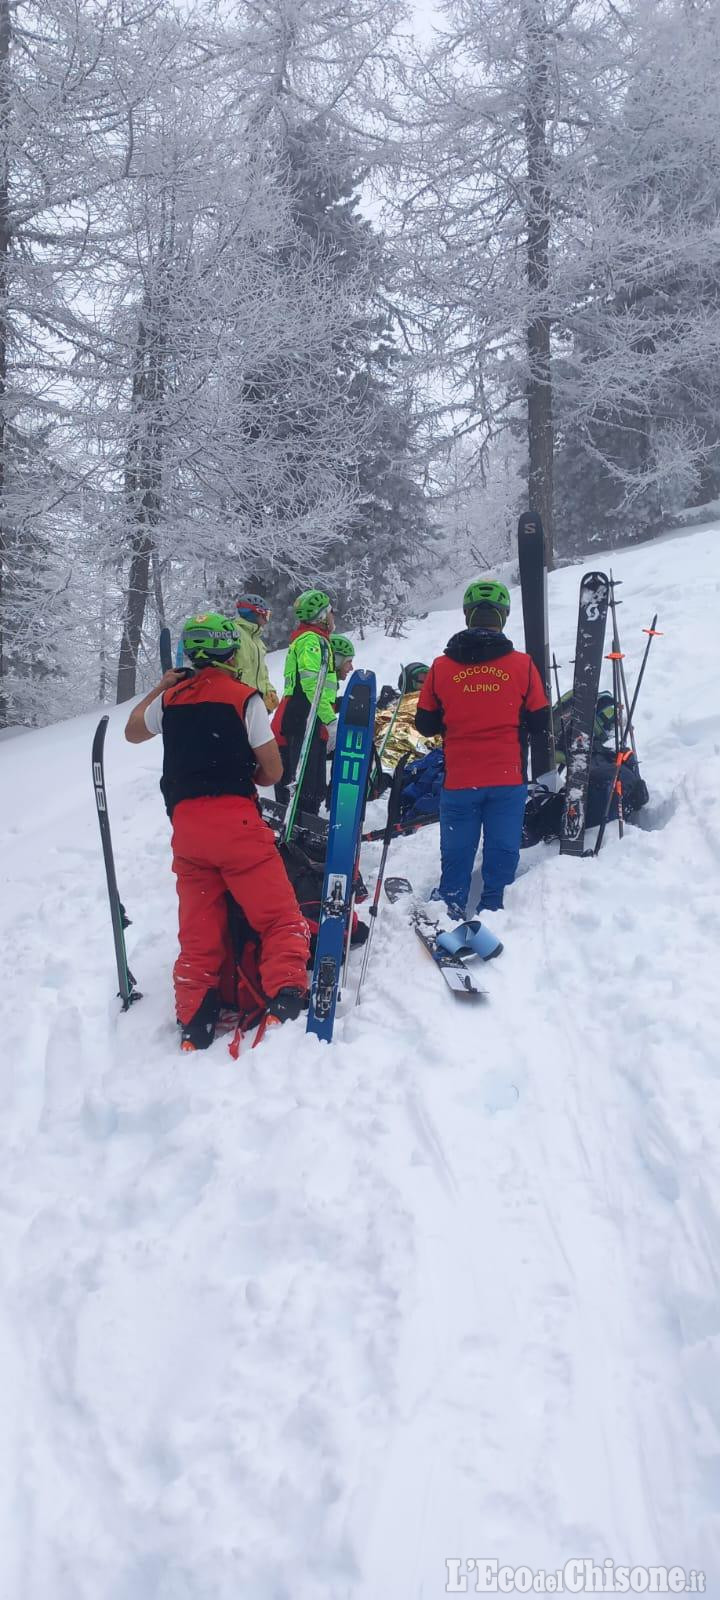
615, 789
556, 674
393, 719
401, 830
389, 834
652, 633
616, 646
616, 658
564, 720
624, 753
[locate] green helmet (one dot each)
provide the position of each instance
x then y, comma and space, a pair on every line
486, 592
412, 677
210, 639
311, 604
342, 646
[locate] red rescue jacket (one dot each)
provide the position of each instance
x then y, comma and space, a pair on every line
476, 695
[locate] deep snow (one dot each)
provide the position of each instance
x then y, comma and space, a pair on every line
303, 1326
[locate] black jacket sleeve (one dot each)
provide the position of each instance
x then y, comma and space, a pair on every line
537, 721
429, 722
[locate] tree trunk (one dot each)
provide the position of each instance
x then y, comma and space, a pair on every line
5, 36
157, 590
539, 382
143, 477
102, 686
144, 460
135, 603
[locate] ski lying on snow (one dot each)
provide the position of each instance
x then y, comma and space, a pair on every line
453, 968
316, 828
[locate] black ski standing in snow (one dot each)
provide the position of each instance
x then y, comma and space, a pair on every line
533, 589
166, 659
128, 989
592, 619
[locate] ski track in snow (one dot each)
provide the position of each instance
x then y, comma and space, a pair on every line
303, 1326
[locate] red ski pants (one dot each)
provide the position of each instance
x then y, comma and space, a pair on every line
219, 844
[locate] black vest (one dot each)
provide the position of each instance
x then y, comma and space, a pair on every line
206, 750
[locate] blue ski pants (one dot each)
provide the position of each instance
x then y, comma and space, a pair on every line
498, 812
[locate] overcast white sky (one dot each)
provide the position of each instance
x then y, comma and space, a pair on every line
425, 13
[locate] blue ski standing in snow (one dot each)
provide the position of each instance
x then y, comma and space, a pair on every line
351, 767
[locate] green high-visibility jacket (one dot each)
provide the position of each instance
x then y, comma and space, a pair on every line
302, 665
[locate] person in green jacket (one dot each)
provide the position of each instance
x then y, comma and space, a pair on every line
304, 660
344, 652
253, 613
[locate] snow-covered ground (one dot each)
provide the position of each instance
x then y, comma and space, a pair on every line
305, 1326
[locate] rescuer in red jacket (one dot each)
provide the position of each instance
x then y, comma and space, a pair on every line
217, 745
478, 695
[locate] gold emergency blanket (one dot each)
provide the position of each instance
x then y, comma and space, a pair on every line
404, 736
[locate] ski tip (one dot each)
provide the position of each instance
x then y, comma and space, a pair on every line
530, 522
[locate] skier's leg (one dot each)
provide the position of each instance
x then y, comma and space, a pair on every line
460, 821
254, 873
503, 814
289, 751
202, 927
314, 786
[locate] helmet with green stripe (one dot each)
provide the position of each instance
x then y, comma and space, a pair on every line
312, 605
486, 604
413, 677
343, 648
210, 640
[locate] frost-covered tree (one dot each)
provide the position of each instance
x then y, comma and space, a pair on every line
70, 81
505, 112
640, 425
477, 498
390, 528
313, 70
558, 213
218, 410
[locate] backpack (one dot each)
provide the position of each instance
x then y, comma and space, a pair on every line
602, 727
544, 809
241, 987
422, 785
306, 871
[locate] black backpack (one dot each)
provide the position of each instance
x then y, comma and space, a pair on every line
543, 812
